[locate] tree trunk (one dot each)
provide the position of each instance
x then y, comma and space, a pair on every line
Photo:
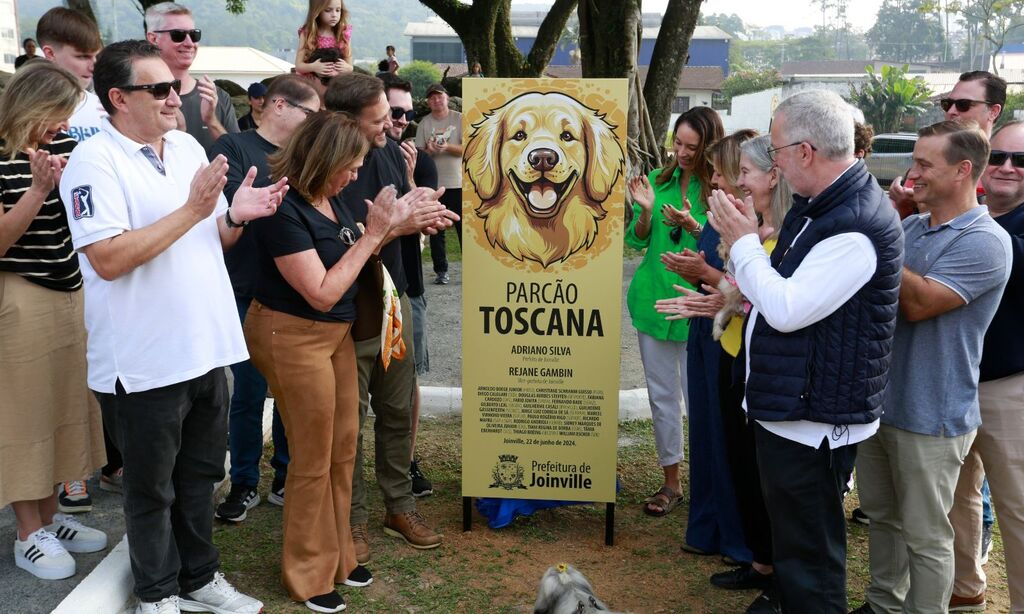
486, 32
84, 7
670, 53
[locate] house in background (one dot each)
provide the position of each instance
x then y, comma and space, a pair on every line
435, 41
242, 65
10, 44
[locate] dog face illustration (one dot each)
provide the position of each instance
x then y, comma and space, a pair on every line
542, 164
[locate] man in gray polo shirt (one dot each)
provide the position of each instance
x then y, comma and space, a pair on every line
957, 264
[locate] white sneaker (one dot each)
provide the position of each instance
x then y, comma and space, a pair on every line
219, 597
75, 536
167, 605
43, 556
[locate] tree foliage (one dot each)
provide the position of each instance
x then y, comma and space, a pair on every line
420, 74
747, 81
996, 22
732, 23
906, 32
889, 98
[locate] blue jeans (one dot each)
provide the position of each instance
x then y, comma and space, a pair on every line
987, 517
245, 422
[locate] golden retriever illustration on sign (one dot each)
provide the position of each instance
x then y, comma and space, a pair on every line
542, 164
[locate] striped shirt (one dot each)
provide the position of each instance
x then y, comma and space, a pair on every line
44, 254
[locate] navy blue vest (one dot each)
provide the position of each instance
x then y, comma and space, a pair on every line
836, 370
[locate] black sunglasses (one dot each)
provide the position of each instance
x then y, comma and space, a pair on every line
398, 112
178, 35
998, 158
298, 106
962, 104
160, 91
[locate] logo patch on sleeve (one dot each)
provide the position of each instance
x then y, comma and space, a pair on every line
81, 202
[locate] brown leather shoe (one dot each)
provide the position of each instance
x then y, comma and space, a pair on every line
411, 527
362, 543
967, 604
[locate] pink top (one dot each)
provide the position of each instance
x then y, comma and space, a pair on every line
329, 42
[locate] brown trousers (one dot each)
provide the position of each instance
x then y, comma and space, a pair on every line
311, 369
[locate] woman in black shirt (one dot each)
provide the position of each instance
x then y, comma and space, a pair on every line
50, 426
298, 330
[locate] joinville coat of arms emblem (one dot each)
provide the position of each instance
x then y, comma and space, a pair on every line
508, 473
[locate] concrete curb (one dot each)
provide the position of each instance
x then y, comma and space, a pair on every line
108, 587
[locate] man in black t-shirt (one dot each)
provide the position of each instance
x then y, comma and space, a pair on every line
288, 101
391, 389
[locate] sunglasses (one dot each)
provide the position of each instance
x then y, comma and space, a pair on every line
178, 36
998, 158
160, 91
298, 106
397, 113
962, 104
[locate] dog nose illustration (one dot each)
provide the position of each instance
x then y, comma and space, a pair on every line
543, 159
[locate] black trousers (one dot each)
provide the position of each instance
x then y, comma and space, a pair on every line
452, 200
803, 492
173, 441
746, 477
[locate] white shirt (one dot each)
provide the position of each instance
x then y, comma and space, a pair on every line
173, 318
831, 273
87, 120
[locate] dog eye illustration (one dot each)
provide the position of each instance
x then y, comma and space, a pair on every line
567, 136
519, 136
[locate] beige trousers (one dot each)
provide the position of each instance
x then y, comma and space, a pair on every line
998, 451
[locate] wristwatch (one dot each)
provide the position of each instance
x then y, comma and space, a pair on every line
230, 222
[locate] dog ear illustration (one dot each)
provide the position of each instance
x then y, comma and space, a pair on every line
483, 154
605, 159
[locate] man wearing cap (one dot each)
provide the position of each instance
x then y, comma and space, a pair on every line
440, 135
257, 95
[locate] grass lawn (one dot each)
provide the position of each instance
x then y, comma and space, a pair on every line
497, 571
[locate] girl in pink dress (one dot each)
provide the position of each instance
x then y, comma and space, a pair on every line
326, 27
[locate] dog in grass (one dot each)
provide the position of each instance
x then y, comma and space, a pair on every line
564, 590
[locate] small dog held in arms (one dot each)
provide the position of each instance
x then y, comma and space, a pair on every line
734, 301
564, 590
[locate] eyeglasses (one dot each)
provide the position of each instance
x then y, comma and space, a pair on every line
160, 91
962, 104
178, 35
298, 106
771, 151
398, 112
998, 158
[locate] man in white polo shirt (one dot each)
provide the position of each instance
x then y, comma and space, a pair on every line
149, 216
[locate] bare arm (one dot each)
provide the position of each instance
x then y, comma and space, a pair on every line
323, 288
922, 298
46, 171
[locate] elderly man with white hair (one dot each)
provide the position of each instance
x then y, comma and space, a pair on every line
817, 341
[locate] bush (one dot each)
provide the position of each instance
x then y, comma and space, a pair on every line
420, 74
233, 89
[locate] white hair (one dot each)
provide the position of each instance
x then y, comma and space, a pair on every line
821, 118
155, 14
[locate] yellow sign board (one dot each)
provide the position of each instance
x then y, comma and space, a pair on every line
543, 199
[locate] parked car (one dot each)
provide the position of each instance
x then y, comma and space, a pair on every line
891, 156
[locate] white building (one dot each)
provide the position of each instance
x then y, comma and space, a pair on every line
10, 44
243, 65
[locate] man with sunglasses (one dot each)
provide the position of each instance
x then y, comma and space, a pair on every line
999, 445
957, 264
421, 171
978, 96
289, 100
206, 108
147, 212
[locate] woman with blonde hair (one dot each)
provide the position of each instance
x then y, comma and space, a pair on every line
50, 426
299, 333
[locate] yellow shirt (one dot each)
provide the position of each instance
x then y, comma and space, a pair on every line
733, 334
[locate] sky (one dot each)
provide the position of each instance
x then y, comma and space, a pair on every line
789, 13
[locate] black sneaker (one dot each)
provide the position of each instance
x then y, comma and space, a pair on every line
442, 279
421, 486
74, 498
359, 577
276, 495
328, 603
766, 603
240, 500
742, 578
860, 517
986, 538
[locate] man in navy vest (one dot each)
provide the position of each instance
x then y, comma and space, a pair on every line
817, 341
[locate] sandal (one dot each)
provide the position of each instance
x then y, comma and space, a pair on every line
662, 502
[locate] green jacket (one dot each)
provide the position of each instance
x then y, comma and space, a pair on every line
651, 280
